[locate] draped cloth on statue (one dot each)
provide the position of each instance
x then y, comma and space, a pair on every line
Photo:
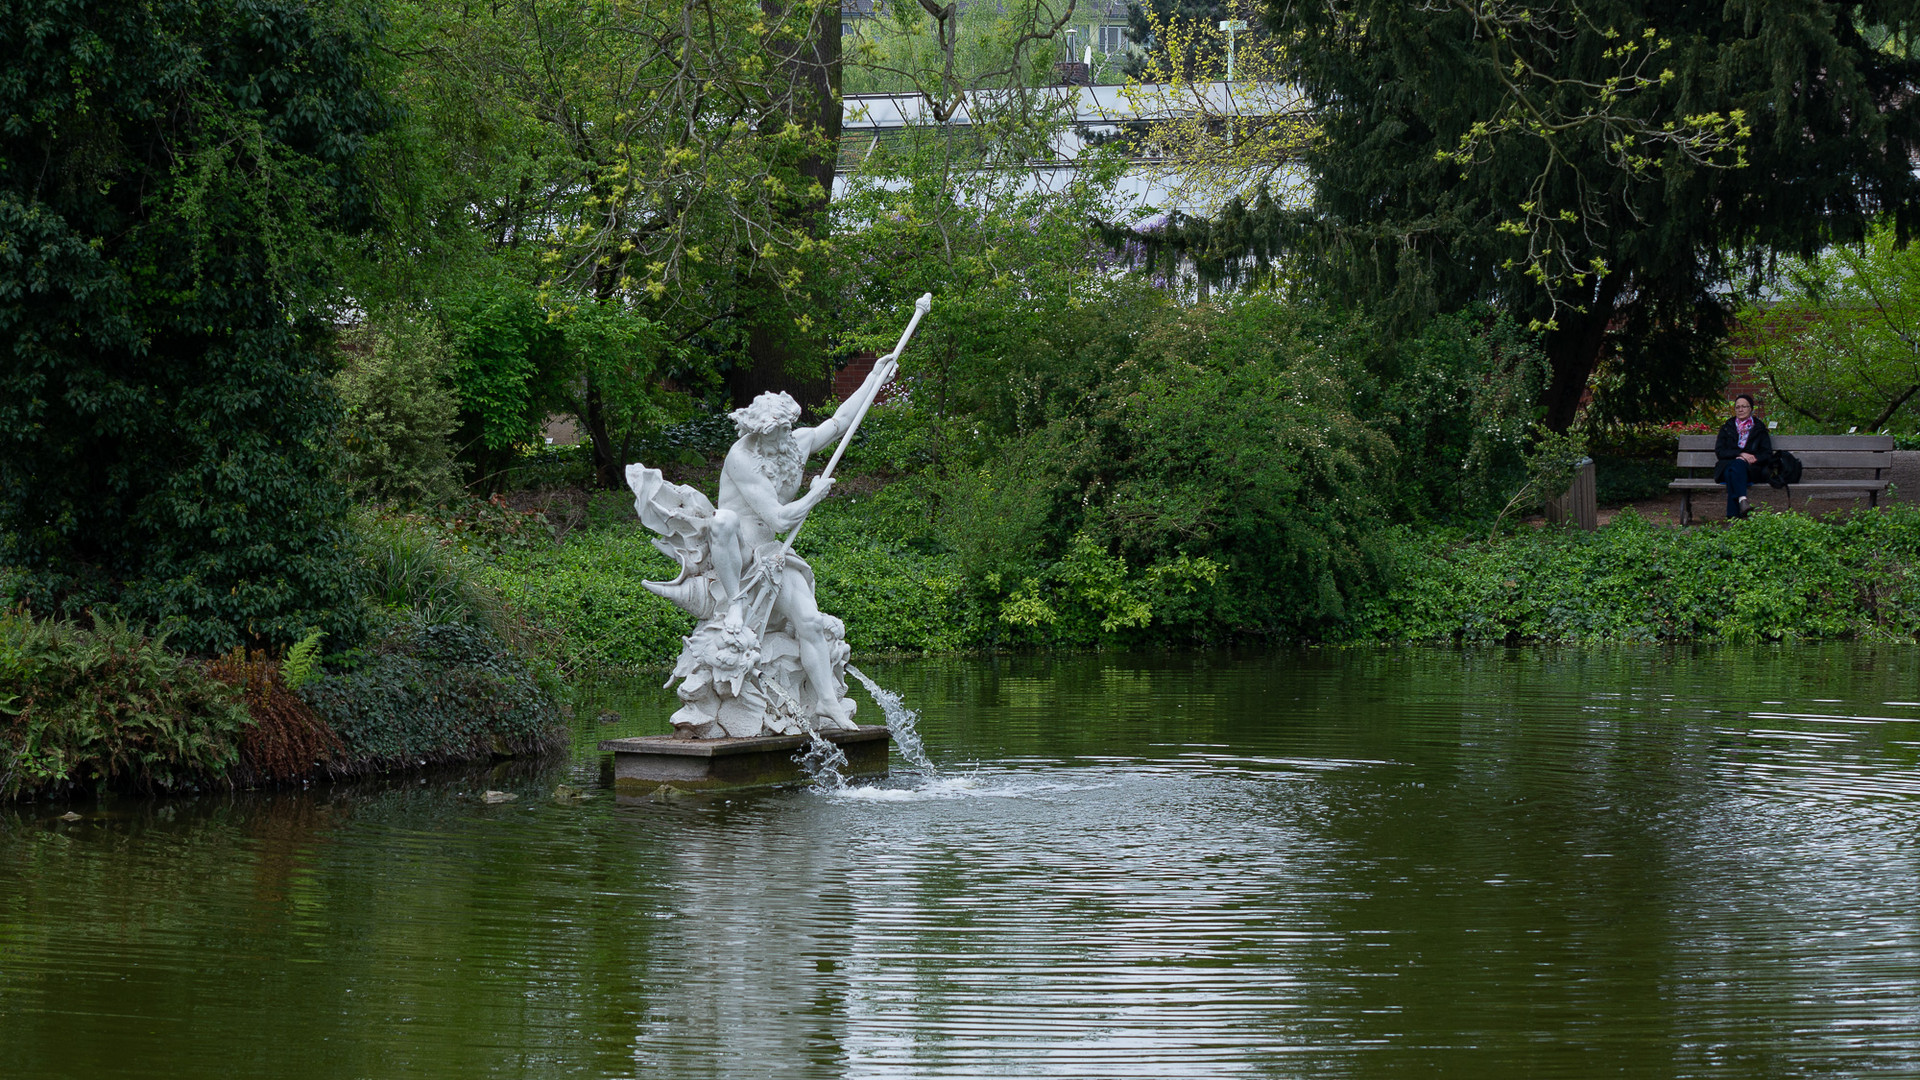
681, 515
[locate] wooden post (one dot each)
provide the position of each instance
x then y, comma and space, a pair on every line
1578, 504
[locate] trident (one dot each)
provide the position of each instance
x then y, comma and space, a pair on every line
920, 309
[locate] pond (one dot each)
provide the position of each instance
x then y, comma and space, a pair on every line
1495, 863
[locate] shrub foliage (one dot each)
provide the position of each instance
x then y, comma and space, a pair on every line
1772, 577
286, 740
108, 706
400, 412
435, 693
172, 177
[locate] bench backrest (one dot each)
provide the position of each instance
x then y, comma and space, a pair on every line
1814, 451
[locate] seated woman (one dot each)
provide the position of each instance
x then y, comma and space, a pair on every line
1741, 448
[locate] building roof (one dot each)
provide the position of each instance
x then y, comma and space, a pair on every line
873, 120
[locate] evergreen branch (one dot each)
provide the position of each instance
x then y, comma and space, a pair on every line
1557, 256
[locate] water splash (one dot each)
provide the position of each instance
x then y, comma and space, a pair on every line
824, 763
900, 721
968, 786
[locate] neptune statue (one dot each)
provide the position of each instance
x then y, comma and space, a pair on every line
763, 659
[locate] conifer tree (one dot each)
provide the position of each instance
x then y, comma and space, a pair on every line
1601, 169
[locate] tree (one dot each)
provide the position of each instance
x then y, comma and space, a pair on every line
1209, 139
781, 329
947, 53
173, 176
947, 205
1599, 170
1842, 348
1007, 265
400, 409
1188, 45
652, 172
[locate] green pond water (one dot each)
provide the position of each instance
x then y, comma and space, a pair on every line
1319, 864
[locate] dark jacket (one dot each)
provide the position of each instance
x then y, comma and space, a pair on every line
1727, 447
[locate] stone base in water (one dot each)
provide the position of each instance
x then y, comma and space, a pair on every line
643, 765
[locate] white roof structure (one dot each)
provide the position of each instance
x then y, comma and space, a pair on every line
1097, 110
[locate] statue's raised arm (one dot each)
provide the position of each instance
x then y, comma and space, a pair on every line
848, 416
836, 426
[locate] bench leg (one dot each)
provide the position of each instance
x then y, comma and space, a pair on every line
1686, 508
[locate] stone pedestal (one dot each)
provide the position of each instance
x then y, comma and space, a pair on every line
640, 766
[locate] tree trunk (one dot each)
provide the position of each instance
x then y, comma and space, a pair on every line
1573, 351
606, 470
815, 70
819, 70
770, 348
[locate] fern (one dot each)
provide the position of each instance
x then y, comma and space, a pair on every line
302, 660
111, 706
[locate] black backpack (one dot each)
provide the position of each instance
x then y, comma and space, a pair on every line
1783, 469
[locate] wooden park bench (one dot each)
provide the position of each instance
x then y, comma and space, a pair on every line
1825, 460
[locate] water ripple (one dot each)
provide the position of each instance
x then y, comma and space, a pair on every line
1323, 864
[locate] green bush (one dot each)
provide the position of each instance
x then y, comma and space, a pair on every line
895, 438
883, 569
400, 410
435, 693
1459, 405
432, 572
1648, 442
541, 466
410, 575
1090, 595
894, 596
510, 365
1218, 468
611, 510
1772, 577
588, 592
1624, 479
478, 528
175, 180
108, 706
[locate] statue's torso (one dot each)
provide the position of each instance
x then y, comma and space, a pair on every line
782, 469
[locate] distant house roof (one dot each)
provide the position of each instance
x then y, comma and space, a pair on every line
873, 120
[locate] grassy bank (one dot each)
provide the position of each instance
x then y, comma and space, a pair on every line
97, 703
481, 612
1769, 578
1772, 577
894, 597
107, 706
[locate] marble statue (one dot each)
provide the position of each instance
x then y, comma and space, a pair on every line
763, 659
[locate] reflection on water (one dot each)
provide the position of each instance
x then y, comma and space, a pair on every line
1529, 863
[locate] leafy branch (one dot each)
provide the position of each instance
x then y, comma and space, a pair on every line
1207, 138
1551, 463
1564, 214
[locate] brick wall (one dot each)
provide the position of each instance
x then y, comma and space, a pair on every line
1740, 376
849, 378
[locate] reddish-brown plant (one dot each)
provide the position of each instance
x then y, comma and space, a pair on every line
287, 740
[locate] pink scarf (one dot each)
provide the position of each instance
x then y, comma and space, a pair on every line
1745, 427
